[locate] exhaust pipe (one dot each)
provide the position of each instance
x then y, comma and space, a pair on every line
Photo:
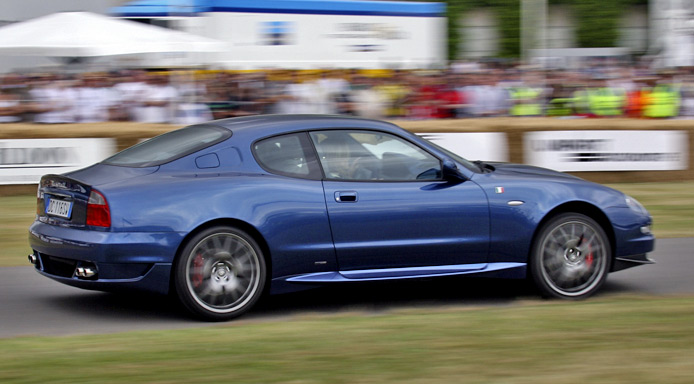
85, 272
33, 259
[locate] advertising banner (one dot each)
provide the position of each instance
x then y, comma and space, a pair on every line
24, 161
306, 41
487, 146
579, 151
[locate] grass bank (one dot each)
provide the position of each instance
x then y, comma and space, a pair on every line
615, 340
671, 204
16, 214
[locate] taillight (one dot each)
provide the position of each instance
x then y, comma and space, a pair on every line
40, 207
98, 212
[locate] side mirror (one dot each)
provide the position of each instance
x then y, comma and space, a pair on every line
451, 171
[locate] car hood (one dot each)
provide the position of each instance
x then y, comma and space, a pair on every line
520, 170
102, 174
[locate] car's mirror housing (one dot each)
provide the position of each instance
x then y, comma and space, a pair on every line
451, 171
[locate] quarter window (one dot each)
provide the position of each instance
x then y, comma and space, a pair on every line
287, 155
373, 156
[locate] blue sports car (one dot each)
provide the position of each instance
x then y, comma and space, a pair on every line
220, 213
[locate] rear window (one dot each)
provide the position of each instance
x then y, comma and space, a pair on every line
169, 146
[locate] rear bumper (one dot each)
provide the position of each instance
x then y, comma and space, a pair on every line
155, 280
119, 260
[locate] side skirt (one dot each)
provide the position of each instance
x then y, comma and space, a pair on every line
501, 270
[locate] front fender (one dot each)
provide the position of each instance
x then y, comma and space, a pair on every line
518, 207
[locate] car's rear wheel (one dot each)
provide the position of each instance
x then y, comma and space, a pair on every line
570, 257
220, 273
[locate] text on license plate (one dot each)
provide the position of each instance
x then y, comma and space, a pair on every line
59, 208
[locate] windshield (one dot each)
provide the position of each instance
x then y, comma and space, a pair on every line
169, 146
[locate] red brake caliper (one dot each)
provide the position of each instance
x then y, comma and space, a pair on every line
198, 263
589, 258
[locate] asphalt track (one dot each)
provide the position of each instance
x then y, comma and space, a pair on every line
33, 305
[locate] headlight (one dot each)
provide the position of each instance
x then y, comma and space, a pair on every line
635, 206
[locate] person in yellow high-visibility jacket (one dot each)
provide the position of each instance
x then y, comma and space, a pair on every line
662, 102
526, 101
606, 101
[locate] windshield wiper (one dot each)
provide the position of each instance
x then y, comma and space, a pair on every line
484, 167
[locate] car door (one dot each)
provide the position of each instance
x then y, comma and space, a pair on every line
389, 207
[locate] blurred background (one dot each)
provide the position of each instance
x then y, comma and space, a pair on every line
611, 82
381, 59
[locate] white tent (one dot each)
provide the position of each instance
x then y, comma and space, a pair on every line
84, 34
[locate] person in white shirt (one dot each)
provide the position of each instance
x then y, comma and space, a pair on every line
190, 109
298, 95
129, 90
366, 102
158, 101
94, 99
10, 109
332, 86
53, 101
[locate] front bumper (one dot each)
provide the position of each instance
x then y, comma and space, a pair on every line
633, 238
621, 263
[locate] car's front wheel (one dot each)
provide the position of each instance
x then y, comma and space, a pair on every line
220, 273
570, 257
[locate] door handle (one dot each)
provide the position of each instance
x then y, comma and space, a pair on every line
346, 197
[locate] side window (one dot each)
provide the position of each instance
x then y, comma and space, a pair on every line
287, 155
373, 156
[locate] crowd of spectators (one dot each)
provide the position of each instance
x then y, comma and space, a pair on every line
464, 90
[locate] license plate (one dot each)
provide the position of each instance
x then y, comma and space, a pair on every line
60, 208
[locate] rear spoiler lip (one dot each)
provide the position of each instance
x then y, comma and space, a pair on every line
65, 183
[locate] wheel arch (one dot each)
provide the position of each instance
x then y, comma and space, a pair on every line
239, 224
584, 208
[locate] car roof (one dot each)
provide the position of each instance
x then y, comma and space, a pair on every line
267, 125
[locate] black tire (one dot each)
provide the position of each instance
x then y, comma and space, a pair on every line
570, 257
220, 273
